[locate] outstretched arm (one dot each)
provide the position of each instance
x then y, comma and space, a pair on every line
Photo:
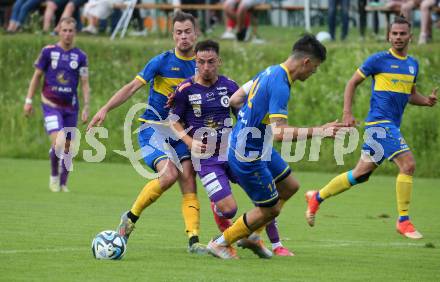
350, 89
419, 100
283, 132
117, 99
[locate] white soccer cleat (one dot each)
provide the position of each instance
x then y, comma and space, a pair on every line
54, 183
223, 252
63, 188
198, 249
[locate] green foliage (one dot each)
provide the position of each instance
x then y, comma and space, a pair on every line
47, 236
314, 102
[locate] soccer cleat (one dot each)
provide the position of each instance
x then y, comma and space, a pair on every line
54, 183
312, 206
198, 249
256, 246
223, 252
126, 226
63, 188
407, 229
282, 252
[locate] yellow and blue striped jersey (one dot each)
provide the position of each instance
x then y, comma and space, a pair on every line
394, 77
164, 72
268, 98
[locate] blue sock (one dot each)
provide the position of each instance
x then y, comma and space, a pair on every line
318, 198
403, 218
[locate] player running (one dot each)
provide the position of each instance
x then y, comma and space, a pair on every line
202, 105
394, 85
263, 117
63, 66
164, 72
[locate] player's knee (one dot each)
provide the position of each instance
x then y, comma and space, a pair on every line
408, 168
229, 212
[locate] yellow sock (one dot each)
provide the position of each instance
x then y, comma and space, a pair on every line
150, 193
337, 185
237, 231
191, 214
404, 186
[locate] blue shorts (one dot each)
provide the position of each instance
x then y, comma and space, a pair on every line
158, 142
258, 177
384, 141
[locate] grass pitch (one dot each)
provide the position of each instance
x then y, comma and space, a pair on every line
46, 236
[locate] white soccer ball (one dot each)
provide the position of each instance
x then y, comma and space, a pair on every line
323, 36
108, 245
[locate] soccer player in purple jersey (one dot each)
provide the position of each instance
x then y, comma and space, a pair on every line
63, 67
201, 104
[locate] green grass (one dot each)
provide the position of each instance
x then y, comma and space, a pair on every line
316, 101
46, 236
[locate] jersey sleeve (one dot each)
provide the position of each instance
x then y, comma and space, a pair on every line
369, 67
84, 66
247, 86
150, 70
43, 60
278, 101
232, 88
180, 102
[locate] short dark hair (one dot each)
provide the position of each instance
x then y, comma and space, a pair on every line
180, 16
207, 45
308, 45
400, 20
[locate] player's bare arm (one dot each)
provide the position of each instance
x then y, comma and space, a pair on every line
282, 130
195, 145
38, 73
85, 86
419, 100
350, 89
119, 98
238, 98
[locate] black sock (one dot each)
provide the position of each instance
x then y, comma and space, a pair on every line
133, 217
193, 239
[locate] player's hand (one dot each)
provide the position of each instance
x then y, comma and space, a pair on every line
170, 101
98, 119
85, 114
348, 119
198, 147
331, 128
28, 110
432, 99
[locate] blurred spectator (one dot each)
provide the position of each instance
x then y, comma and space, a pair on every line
395, 4
426, 20
69, 8
332, 8
239, 14
96, 10
5, 12
20, 11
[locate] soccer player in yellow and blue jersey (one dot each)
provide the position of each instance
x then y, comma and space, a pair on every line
250, 156
164, 72
394, 85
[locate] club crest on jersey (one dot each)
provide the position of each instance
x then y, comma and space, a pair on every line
411, 69
197, 110
73, 64
225, 101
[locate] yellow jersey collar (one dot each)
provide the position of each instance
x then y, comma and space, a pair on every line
182, 57
396, 55
287, 72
